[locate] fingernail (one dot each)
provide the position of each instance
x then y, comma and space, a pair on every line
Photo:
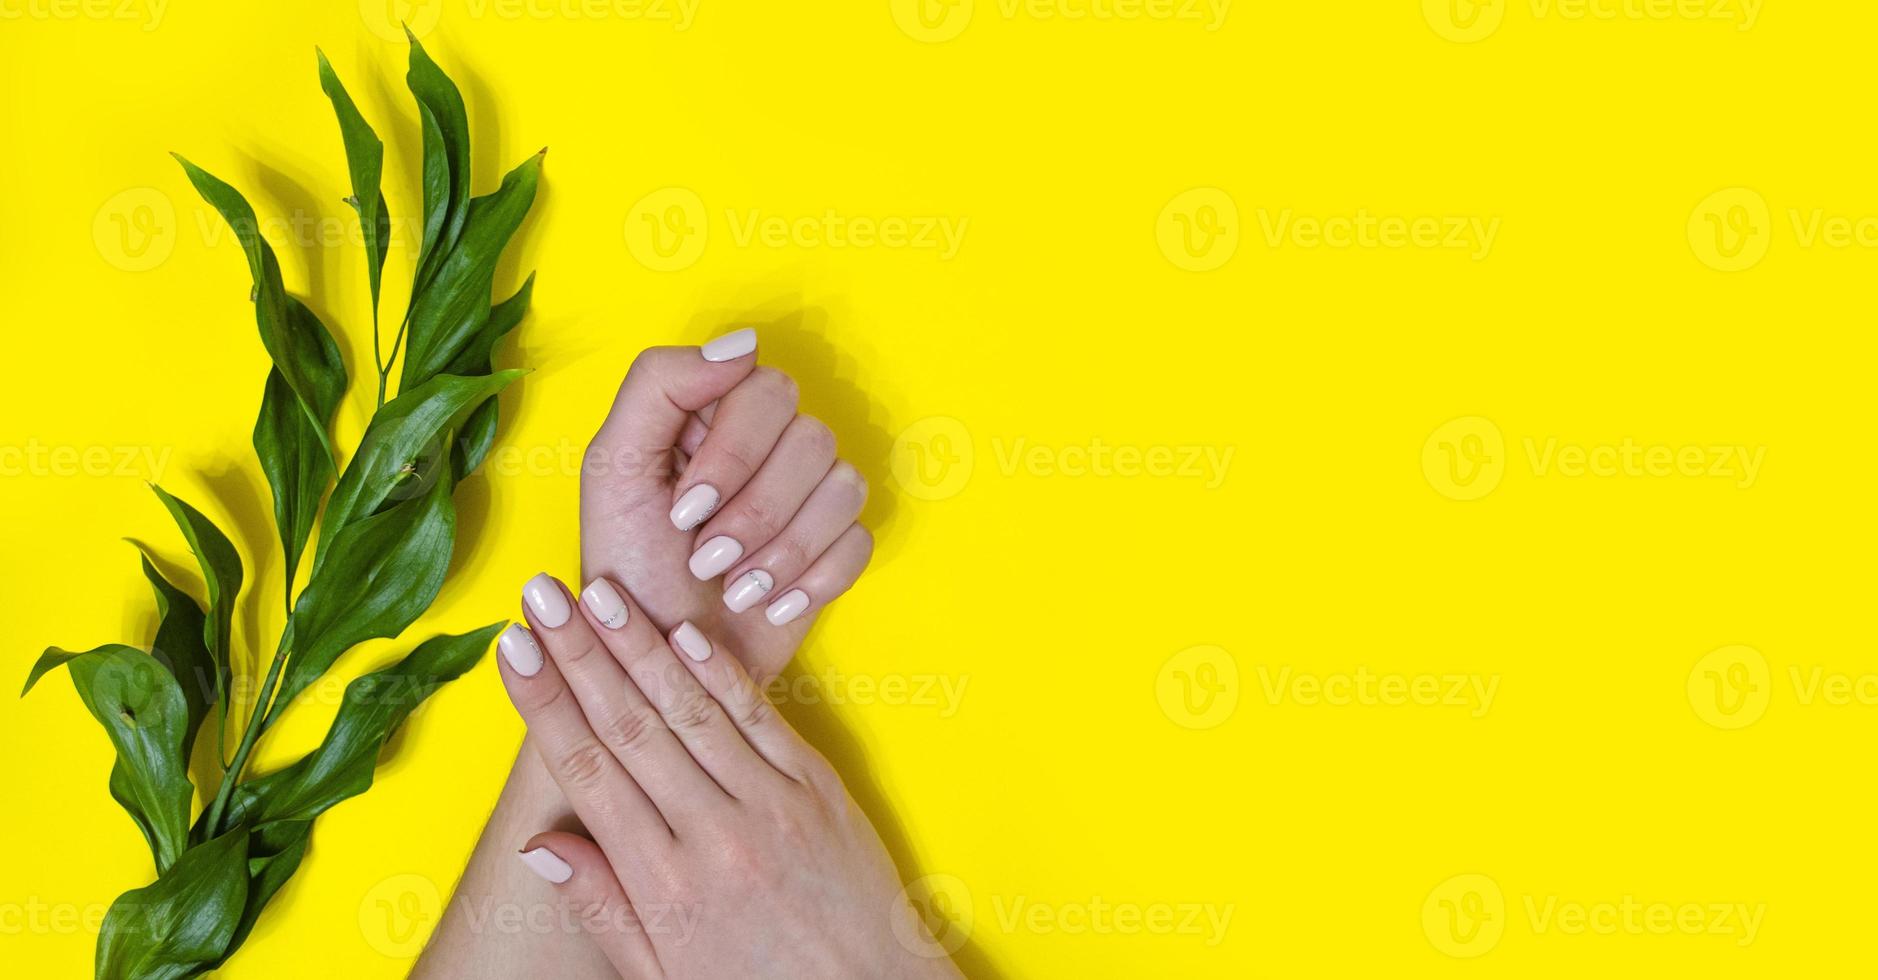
692, 641
519, 649
546, 864
751, 586
692, 508
604, 603
730, 346
717, 554
787, 608
549, 603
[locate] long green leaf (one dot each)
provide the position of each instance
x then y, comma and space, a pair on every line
451, 311
395, 444
365, 158
184, 922
298, 343
373, 708
446, 160
142, 710
479, 432
382, 574
221, 572
182, 646
297, 469
274, 854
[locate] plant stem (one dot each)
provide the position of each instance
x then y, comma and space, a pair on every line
233, 775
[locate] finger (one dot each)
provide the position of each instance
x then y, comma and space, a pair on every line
587, 886
802, 457
828, 576
618, 712
662, 389
684, 705
723, 676
744, 428
607, 800
777, 565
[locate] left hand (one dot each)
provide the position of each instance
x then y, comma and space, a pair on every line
722, 844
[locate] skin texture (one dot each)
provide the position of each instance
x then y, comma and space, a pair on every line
723, 845
677, 421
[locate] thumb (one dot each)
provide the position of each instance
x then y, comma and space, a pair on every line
664, 386
587, 888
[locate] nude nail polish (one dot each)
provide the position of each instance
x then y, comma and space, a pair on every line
787, 608
750, 588
519, 649
604, 602
730, 346
697, 504
692, 641
547, 864
546, 600
716, 555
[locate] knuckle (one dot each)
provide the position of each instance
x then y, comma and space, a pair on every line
691, 712
845, 475
628, 731
753, 711
584, 764
776, 385
818, 440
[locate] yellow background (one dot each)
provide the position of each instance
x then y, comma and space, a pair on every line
1092, 301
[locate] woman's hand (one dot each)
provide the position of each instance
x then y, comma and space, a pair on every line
722, 844
781, 495
703, 464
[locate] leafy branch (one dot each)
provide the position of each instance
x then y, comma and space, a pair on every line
386, 533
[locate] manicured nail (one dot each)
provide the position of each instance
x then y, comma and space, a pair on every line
604, 603
519, 649
730, 346
549, 603
751, 586
787, 608
692, 508
546, 864
718, 554
692, 641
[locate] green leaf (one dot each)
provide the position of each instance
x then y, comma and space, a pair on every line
143, 711
182, 646
184, 922
298, 343
365, 158
374, 706
274, 854
382, 574
401, 436
297, 469
221, 572
454, 306
479, 432
446, 161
